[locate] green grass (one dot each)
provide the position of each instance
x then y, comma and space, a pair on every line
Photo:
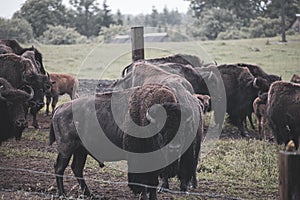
246, 169
107, 60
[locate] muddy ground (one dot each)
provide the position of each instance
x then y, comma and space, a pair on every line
29, 174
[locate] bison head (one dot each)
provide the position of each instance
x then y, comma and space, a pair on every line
14, 100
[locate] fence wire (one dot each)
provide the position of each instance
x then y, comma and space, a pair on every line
101, 181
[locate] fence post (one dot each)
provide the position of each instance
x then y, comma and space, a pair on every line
289, 175
137, 43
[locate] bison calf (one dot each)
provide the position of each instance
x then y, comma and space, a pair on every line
259, 107
60, 84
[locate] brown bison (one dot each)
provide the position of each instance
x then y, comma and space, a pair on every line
295, 78
73, 124
257, 71
20, 71
241, 90
283, 111
60, 84
259, 107
16, 48
143, 73
204, 78
37, 103
12, 116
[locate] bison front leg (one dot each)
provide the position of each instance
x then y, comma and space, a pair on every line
78, 163
60, 166
33, 112
54, 102
48, 100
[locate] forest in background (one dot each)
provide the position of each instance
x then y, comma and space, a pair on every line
51, 22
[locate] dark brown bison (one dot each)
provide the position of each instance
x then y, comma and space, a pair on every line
60, 84
295, 78
143, 73
72, 125
20, 71
257, 71
259, 107
37, 103
17, 49
204, 78
12, 116
283, 111
241, 90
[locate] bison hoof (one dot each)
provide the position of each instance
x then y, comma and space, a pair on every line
36, 126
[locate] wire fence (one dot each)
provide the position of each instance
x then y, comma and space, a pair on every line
49, 195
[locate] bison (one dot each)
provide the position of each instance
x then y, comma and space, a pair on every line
143, 73
241, 89
204, 78
71, 132
295, 78
20, 71
259, 107
12, 116
37, 103
60, 84
18, 50
283, 111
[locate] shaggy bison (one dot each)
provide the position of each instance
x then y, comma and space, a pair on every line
241, 90
283, 111
71, 132
143, 73
60, 84
20, 71
12, 116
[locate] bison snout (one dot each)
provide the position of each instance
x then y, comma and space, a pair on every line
40, 105
21, 124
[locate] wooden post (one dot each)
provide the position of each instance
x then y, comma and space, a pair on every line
289, 175
137, 43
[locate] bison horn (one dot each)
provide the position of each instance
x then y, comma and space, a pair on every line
31, 93
255, 83
1, 97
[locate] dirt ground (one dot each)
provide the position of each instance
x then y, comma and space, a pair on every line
30, 175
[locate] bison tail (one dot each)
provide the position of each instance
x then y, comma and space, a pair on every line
52, 135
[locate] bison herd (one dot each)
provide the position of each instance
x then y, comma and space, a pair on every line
157, 105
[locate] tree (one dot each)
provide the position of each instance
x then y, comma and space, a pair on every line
244, 10
41, 13
87, 16
107, 17
154, 17
119, 18
16, 28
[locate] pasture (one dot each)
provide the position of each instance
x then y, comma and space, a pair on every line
235, 167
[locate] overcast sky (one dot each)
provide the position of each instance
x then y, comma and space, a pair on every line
8, 7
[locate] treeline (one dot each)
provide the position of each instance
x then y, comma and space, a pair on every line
234, 19
51, 22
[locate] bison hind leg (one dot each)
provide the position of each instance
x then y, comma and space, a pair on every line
60, 166
77, 166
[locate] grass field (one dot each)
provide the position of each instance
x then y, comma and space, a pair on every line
234, 168
107, 60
